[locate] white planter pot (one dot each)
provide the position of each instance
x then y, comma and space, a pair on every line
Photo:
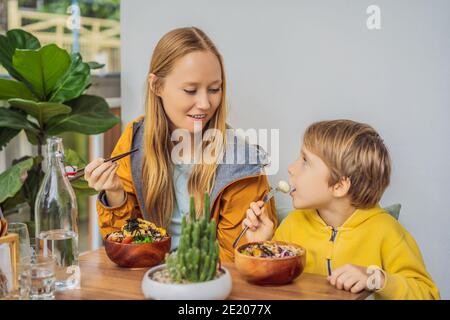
217, 289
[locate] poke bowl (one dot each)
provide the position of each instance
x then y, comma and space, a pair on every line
139, 244
270, 262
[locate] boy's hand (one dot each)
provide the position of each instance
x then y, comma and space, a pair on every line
351, 278
257, 219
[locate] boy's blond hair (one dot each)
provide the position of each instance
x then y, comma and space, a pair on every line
354, 150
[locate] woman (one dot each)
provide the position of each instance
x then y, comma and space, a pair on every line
185, 90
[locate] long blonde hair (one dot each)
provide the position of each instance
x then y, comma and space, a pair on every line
157, 165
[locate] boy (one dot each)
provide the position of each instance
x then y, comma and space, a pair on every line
338, 180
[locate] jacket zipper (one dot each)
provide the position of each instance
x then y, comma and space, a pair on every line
332, 239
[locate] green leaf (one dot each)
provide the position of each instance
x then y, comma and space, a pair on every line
73, 159
21, 39
42, 111
33, 182
11, 180
6, 53
74, 82
80, 185
42, 68
33, 137
14, 89
90, 115
95, 65
16, 39
14, 119
6, 135
12, 202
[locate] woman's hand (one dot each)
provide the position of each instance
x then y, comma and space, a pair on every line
259, 223
101, 176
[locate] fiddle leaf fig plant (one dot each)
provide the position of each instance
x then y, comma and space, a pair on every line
45, 96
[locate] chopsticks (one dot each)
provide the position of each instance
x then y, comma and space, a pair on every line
80, 172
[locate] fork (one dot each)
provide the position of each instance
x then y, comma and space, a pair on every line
281, 187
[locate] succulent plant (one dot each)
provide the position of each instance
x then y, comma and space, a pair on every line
197, 256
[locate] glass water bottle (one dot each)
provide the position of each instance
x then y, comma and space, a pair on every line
56, 215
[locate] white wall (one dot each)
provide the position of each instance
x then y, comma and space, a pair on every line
290, 63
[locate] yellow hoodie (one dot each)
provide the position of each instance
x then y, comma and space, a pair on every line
368, 237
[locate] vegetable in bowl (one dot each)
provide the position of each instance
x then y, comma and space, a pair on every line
269, 249
138, 231
138, 244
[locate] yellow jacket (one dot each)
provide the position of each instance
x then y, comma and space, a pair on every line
236, 186
368, 237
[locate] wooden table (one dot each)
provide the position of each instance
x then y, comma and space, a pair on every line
102, 279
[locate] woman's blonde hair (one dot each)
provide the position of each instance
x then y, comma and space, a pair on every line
157, 165
352, 150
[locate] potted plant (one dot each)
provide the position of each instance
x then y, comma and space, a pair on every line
44, 98
193, 271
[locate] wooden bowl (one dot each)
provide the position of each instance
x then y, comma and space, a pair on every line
139, 255
269, 271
